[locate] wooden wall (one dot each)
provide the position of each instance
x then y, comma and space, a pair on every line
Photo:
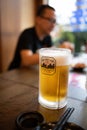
15, 15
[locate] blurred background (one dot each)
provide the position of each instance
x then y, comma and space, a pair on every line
16, 15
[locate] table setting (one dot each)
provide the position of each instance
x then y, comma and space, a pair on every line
19, 100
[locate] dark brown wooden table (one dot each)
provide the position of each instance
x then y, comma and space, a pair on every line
19, 93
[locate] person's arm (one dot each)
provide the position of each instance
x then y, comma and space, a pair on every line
28, 58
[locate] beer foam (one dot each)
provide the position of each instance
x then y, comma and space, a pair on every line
62, 60
62, 56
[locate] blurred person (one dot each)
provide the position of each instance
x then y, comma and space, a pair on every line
66, 44
85, 44
34, 38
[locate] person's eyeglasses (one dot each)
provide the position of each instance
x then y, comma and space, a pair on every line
51, 20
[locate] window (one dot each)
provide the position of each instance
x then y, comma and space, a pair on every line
71, 14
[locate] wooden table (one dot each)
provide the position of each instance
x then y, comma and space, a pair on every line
19, 93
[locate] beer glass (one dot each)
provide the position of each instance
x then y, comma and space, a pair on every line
54, 66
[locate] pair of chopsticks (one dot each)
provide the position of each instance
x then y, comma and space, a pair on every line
59, 125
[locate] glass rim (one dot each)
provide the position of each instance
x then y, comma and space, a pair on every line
55, 49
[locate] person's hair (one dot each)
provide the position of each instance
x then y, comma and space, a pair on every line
42, 9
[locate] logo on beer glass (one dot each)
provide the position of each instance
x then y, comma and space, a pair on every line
48, 65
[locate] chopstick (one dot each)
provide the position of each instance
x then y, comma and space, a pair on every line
59, 125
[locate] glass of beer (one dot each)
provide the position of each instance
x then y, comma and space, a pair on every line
54, 66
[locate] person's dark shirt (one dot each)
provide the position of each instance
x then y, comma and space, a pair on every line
28, 40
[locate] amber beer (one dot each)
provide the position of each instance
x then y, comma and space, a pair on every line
53, 77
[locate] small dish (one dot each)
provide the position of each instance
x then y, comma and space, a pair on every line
29, 120
79, 67
51, 125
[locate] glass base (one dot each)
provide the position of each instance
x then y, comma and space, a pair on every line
52, 105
